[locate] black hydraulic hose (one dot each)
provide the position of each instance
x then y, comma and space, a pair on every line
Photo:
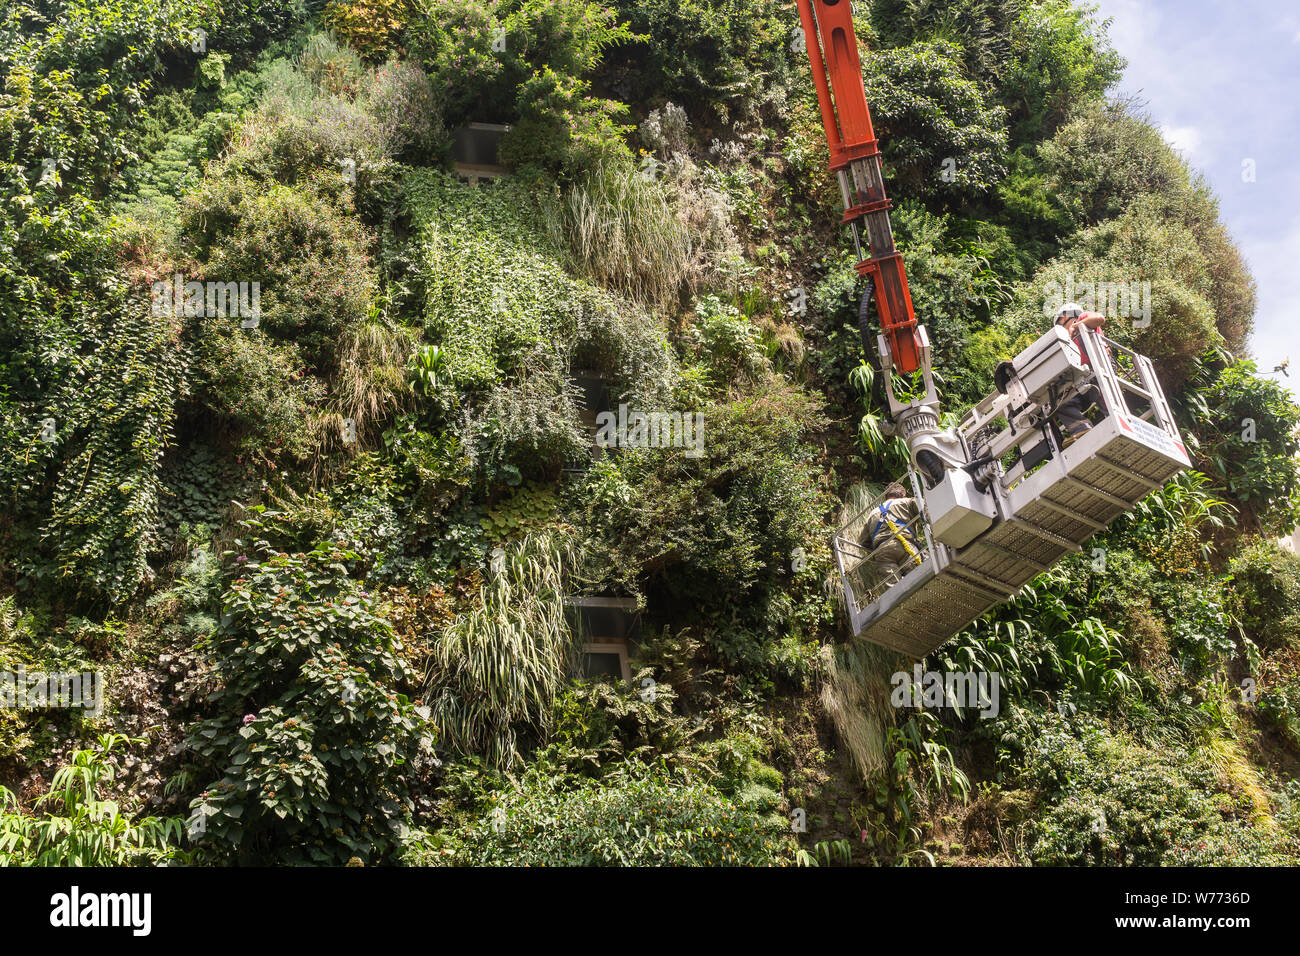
869, 346
864, 325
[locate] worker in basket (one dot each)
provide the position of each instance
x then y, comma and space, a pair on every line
890, 539
1073, 412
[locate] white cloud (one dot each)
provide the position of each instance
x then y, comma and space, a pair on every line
1273, 262
1185, 139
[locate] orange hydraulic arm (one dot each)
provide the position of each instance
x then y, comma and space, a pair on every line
855, 160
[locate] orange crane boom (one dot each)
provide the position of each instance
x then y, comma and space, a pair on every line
855, 159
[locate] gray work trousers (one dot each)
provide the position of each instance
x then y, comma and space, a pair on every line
1072, 412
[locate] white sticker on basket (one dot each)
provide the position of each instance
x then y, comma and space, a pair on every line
1156, 438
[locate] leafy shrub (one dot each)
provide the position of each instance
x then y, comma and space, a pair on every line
1247, 429
371, 26
256, 387
562, 128
927, 112
331, 66
496, 293
322, 121
642, 819
403, 104
1140, 246
1105, 158
308, 254
76, 349
954, 290
1051, 636
724, 57
599, 724
1106, 801
310, 751
482, 57
1265, 594
249, 25
726, 342
712, 532
529, 429
454, 42
530, 508
1063, 58
78, 71
513, 325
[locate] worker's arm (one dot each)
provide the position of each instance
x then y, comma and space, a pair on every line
1093, 320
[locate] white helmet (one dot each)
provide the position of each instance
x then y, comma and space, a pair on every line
1071, 310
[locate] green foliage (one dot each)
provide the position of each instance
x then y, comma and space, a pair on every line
599, 725
249, 25
1247, 430
75, 73
1106, 161
498, 667
727, 343
626, 234
1047, 638
504, 59
454, 42
1064, 59
370, 26
1200, 625
928, 112
1168, 524
952, 286
255, 386
1041, 59
825, 853
920, 764
513, 324
75, 826
497, 296
310, 748
1265, 592
562, 128
424, 367
451, 325
643, 818
1140, 246
713, 531
1279, 703
529, 429
726, 58
1108, 801
84, 436
1106, 158
86, 503
528, 508
308, 254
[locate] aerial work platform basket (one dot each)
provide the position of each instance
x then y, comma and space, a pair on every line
1023, 502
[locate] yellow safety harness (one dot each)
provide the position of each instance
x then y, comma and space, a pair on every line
898, 533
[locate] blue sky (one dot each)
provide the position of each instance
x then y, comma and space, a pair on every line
1222, 81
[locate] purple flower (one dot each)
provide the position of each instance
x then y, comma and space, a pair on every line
248, 719
242, 559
